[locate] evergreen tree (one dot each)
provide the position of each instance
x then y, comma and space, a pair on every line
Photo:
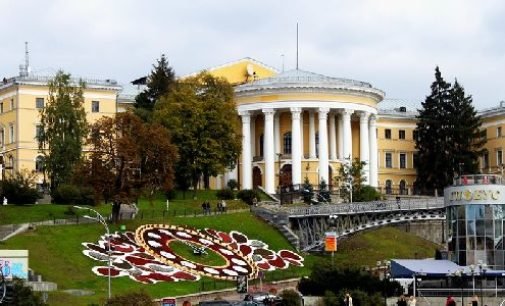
447, 130
64, 127
159, 83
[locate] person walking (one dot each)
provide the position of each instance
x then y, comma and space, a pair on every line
412, 301
402, 301
223, 206
348, 299
475, 301
450, 301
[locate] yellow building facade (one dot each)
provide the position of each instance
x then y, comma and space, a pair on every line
296, 125
22, 98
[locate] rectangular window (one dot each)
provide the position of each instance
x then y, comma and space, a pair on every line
389, 160
11, 132
498, 131
95, 106
387, 133
499, 158
401, 134
415, 134
415, 156
485, 160
1, 107
403, 160
12, 104
39, 102
483, 134
38, 132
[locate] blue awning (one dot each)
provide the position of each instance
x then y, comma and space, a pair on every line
431, 268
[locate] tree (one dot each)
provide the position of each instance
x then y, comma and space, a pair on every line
18, 294
200, 114
351, 178
447, 135
128, 157
159, 83
18, 188
64, 128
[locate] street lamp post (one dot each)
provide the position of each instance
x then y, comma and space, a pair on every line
482, 268
99, 218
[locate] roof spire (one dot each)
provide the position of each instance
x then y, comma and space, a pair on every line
296, 45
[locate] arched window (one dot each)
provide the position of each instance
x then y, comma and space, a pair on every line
39, 164
261, 144
389, 187
287, 143
317, 144
403, 187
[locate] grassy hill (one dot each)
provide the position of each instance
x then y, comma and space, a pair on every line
56, 253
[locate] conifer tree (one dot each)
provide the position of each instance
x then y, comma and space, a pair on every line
447, 130
159, 83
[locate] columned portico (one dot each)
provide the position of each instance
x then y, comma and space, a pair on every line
246, 151
269, 151
374, 170
364, 149
323, 144
312, 135
340, 136
296, 153
333, 139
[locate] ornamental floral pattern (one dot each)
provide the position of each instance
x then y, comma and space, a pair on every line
145, 255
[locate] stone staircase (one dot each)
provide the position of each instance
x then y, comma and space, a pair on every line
280, 222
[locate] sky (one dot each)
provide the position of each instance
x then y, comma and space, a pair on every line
393, 44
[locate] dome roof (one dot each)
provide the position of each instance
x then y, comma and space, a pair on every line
300, 79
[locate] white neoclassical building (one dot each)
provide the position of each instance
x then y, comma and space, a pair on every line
298, 125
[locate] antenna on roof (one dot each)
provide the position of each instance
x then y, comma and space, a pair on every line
24, 70
297, 46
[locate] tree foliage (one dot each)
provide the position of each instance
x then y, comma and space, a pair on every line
448, 135
128, 157
353, 174
20, 295
18, 188
159, 83
200, 114
64, 128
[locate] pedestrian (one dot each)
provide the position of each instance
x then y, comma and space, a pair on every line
412, 301
402, 301
219, 207
475, 300
223, 206
204, 207
348, 299
450, 301
255, 201
208, 207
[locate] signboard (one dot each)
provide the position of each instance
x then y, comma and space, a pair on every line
168, 302
474, 194
14, 263
330, 242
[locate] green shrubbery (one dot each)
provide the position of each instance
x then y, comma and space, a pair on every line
18, 189
225, 194
247, 195
73, 194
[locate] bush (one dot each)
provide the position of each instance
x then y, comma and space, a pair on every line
232, 184
131, 299
225, 194
290, 298
247, 195
73, 194
367, 193
18, 189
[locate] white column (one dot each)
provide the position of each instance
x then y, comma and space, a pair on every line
346, 117
333, 139
219, 181
269, 151
364, 149
340, 136
323, 144
312, 135
301, 135
253, 136
372, 134
277, 133
246, 151
296, 152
